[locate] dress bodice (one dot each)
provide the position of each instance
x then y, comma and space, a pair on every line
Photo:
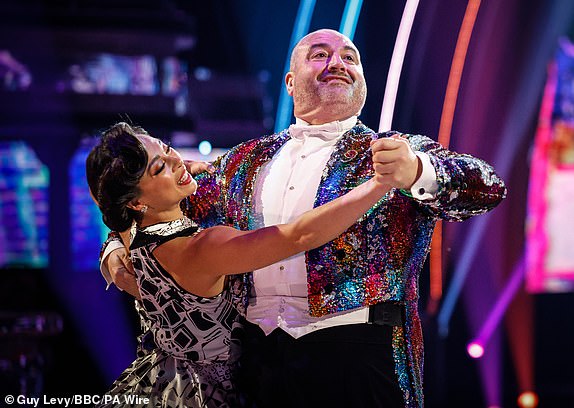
183, 324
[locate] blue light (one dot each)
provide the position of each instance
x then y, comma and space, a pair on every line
301, 27
87, 229
205, 148
350, 18
24, 207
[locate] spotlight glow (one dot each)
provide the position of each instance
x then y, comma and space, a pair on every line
445, 128
528, 399
475, 350
204, 147
300, 28
394, 74
350, 18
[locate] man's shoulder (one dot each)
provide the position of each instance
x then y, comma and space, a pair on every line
261, 140
253, 148
257, 144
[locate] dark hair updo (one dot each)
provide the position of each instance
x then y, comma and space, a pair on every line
114, 168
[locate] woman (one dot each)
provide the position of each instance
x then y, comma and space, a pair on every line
181, 269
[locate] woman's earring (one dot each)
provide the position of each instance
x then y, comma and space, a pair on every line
143, 209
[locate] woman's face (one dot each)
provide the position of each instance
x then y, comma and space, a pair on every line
165, 181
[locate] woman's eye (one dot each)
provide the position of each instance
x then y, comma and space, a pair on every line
160, 169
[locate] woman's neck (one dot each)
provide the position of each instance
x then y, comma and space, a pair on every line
151, 217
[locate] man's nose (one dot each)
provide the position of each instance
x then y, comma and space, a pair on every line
336, 63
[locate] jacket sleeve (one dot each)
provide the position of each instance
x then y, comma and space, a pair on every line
467, 185
206, 206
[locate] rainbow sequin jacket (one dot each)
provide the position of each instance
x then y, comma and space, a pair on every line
377, 259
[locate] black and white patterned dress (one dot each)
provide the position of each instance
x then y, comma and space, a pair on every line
196, 338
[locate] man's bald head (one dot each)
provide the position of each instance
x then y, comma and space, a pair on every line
326, 78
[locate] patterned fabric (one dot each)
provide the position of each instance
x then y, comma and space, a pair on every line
381, 256
196, 339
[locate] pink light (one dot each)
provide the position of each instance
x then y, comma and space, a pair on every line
528, 399
444, 132
396, 66
475, 350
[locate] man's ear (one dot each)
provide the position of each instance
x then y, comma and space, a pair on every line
289, 77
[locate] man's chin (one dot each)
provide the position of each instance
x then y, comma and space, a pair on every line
337, 97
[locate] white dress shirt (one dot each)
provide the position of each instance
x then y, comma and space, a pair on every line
286, 188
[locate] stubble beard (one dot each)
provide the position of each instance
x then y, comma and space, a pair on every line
342, 100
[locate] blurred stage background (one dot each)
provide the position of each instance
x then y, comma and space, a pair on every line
212, 71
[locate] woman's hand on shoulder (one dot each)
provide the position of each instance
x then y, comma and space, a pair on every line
198, 167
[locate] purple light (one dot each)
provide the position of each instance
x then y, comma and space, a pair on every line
502, 303
475, 349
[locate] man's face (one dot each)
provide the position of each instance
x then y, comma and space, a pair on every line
326, 78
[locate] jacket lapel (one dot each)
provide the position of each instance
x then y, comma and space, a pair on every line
341, 171
252, 161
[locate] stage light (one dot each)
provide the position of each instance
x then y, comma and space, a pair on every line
528, 399
300, 28
475, 349
204, 147
397, 59
350, 18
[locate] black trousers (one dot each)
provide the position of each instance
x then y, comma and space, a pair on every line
348, 366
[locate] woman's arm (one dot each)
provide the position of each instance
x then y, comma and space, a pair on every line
223, 250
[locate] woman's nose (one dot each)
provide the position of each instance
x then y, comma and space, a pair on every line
175, 161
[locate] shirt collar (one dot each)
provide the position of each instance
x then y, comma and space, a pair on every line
327, 131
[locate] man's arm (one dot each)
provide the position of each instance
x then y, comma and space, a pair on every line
465, 185
117, 268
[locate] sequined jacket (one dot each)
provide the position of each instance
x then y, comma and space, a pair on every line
377, 259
